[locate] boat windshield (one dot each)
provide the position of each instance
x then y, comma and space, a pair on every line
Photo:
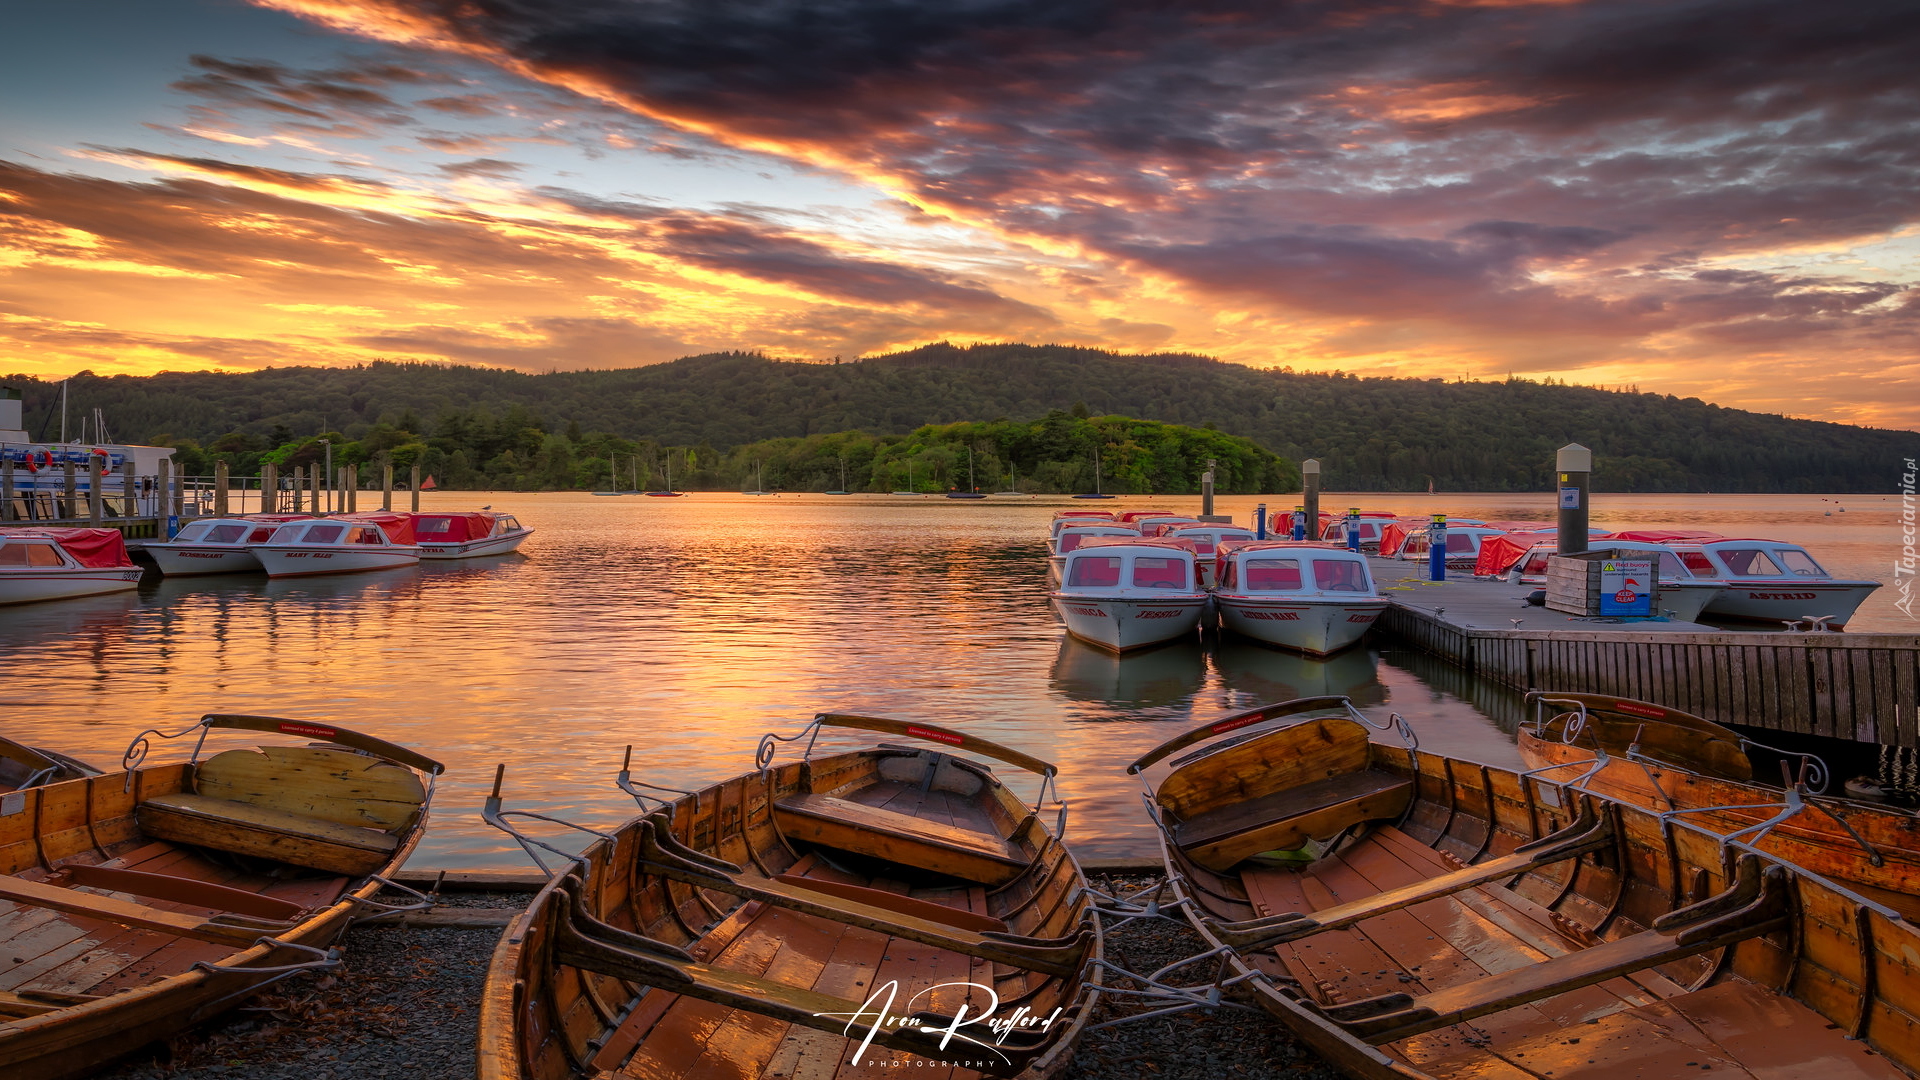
16, 555
1748, 562
505, 525
191, 532
1103, 572
1799, 562
1272, 575
323, 534
225, 533
1698, 562
1462, 543
1155, 572
1339, 575
366, 534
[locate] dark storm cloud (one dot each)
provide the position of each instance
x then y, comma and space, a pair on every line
1486, 164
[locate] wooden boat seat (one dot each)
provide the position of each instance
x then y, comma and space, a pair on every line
902, 838
1756, 904
1590, 832
1218, 839
224, 929
872, 909
313, 806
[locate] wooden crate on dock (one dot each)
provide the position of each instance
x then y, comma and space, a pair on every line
1573, 584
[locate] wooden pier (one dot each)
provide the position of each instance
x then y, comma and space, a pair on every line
1864, 687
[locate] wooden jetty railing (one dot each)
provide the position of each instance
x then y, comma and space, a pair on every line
1850, 686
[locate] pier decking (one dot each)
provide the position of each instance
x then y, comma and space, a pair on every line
1851, 686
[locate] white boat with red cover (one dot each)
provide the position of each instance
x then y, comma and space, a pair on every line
1683, 594
378, 541
58, 564
1207, 536
1312, 598
216, 545
1124, 593
468, 535
1773, 581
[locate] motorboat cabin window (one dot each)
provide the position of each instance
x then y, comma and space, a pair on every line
1273, 575
1748, 562
1155, 572
1096, 573
1070, 541
195, 531
1699, 563
1339, 575
505, 525
29, 555
323, 534
365, 534
224, 533
1799, 562
1462, 543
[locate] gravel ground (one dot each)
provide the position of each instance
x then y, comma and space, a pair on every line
404, 1006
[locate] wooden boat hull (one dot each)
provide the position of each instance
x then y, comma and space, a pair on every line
184, 560
551, 1009
1314, 627
1506, 926
1124, 624
93, 825
32, 586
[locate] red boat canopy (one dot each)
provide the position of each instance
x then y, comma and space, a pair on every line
1282, 522
1394, 534
1106, 515
452, 528
101, 548
398, 527
1665, 536
1499, 553
1520, 526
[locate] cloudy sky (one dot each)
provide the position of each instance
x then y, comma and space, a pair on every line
1704, 198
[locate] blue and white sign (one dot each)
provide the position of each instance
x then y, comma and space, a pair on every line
1569, 498
1626, 587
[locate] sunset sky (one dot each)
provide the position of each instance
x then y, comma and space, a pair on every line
1719, 199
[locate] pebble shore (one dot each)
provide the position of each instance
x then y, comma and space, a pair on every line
405, 1004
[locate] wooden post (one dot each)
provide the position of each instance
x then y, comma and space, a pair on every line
220, 489
1574, 463
386, 487
162, 484
96, 477
6, 488
1310, 485
128, 507
353, 489
1206, 490
70, 508
269, 488
413, 488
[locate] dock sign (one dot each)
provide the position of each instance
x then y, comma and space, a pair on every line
1626, 587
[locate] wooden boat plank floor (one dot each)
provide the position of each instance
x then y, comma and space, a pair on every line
686, 1037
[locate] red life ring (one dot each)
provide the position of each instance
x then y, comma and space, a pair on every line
46, 459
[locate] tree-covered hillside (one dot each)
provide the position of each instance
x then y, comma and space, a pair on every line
1370, 433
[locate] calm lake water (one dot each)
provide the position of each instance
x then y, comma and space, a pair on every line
687, 627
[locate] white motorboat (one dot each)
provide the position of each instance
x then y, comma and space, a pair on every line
1124, 593
1064, 518
1773, 581
1312, 598
1463, 545
339, 546
216, 545
1071, 537
1207, 538
58, 564
1683, 594
467, 535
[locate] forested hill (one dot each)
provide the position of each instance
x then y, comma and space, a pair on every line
1370, 433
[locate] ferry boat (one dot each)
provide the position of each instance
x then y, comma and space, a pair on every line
375, 541
1684, 595
1072, 537
39, 468
59, 564
1311, 598
216, 545
1772, 581
468, 535
1124, 593
1206, 538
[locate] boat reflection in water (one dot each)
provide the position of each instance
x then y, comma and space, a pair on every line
1164, 678
1263, 674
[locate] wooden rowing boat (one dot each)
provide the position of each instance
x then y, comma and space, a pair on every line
1666, 760
140, 903
754, 928
23, 766
1412, 915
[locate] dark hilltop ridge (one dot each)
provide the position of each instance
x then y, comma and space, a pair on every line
1373, 434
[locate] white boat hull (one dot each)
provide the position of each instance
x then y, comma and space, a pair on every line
474, 549
1314, 627
1689, 600
182, 560
1133, 623
1778, 600
306, 560
56, 583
